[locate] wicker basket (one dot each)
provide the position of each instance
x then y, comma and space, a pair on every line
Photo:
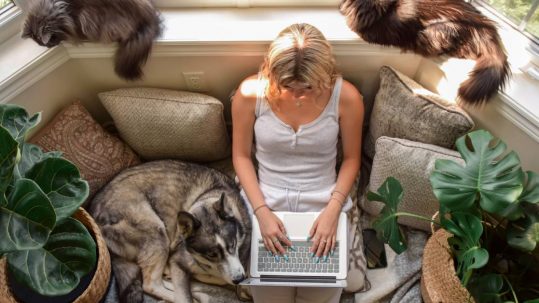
439, 281
99, 284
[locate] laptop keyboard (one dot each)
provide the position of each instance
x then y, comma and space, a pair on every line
299, 261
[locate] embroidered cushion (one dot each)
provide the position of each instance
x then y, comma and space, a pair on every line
98, 154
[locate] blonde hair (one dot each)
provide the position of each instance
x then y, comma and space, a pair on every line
300, 53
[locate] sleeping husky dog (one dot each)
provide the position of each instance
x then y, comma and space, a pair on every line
172, 215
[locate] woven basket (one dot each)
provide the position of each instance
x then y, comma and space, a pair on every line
439, 281
99, 284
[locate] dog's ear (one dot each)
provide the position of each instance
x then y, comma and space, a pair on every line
187, 224
220, 208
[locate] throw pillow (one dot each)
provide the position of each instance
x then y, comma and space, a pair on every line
411, 163
98, 154
169, 124
404, 109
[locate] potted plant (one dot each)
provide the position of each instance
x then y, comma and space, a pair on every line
490, 209
44, 236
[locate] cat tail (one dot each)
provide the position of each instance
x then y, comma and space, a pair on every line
128, 275
132, 53
490, 73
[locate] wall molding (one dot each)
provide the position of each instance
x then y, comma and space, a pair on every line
32, 72
518, 115
225, 48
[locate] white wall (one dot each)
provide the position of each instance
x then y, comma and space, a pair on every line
83, 78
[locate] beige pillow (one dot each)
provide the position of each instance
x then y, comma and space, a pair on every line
411, 163
98, 154
404, 109
169, 124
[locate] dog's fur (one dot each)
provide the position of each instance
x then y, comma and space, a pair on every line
134, 24
172, 215
434, 28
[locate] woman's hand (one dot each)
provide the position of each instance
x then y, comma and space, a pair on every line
273, 232
324, 231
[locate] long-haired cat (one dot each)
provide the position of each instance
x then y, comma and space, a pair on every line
434, 28
133, 24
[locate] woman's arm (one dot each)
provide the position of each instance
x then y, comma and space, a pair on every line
243, 119
351, 114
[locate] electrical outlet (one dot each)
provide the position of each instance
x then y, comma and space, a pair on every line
195, 81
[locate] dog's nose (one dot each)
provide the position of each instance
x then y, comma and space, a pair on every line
238, 280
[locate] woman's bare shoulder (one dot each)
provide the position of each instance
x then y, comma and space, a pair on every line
250, 87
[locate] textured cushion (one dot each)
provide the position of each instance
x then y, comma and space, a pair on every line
164, 124
411, 163
404, 109
98, 154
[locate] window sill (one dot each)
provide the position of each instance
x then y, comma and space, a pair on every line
247, 32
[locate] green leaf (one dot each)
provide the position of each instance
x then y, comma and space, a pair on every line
16, 120
8, 158
27, 219
32, 154
467, 230
487, 288
532, 301
61, 181
524, 233
390, 193
496, 179
56, 268
531, 189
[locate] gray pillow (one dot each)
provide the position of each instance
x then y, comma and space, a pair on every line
169, 124
411, 163
404, 109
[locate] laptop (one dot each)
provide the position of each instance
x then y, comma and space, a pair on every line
301, 270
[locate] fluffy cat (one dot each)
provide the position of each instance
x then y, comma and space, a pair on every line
133, 24
434, 28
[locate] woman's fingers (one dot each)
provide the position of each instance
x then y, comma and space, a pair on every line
333, 243
283, 237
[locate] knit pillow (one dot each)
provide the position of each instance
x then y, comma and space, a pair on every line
411, 163
404, 109
98, 154
169, 124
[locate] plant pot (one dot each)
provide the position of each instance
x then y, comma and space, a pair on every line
100, 280
439, 281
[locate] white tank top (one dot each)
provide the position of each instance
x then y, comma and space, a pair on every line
302, 160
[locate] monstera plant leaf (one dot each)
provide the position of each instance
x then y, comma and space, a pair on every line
32, 154
523, 234
16, 120
530, 195
60, 180
497, 179
56, 268
487, 288
8, 158
467, 230
26, 217
390, 193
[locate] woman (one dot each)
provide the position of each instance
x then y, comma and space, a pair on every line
294, 110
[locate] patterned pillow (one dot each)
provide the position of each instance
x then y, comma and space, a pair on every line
98, 155
169, 124
411, 163
404, 109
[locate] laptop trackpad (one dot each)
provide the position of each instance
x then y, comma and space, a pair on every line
298, 225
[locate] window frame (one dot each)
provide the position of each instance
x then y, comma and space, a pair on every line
518, 27
10, 21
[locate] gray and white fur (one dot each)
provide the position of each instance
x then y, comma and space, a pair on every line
133, 24
176, 217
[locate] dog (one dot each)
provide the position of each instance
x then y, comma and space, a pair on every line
184, 218
435, 28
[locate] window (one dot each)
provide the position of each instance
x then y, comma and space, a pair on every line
522, 14
5, 5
